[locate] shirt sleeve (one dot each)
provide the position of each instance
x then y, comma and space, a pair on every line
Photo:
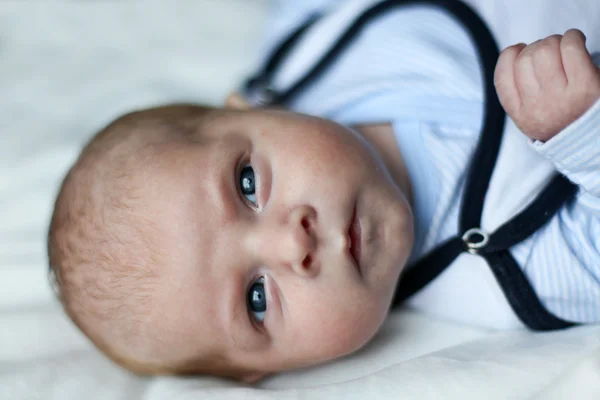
576, 153
564, 259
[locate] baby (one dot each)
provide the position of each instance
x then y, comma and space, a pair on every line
243, 241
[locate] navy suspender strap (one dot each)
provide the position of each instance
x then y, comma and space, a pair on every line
258, 88
493, 247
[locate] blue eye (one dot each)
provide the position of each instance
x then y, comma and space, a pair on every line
247, 183
257, 299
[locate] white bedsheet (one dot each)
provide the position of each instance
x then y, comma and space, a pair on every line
66, 68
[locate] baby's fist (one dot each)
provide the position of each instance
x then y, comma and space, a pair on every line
547, 85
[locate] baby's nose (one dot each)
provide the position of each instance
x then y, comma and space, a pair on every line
296, 243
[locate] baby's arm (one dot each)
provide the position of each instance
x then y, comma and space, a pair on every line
564, 256
551, 89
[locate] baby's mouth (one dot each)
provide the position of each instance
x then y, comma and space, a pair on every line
354, 242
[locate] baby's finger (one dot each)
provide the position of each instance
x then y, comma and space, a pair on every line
504, 78
577, 61
547, 60
527, 81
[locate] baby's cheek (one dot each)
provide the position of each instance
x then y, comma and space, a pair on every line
335, 146
340, 330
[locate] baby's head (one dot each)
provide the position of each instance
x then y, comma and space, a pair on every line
188, 239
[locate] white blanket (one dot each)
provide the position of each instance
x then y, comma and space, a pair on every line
66, 68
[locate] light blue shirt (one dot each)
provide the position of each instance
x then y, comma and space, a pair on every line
417, 68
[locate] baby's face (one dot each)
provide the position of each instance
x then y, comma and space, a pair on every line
284, 237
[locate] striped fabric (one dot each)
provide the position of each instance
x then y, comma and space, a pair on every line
417, 68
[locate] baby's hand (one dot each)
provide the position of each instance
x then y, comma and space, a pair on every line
547, 85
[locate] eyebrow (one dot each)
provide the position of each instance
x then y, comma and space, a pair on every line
237, 320
225, 193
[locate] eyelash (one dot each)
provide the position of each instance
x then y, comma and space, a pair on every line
241, 165
253, 319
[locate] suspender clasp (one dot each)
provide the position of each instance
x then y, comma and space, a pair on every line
260, 93
475, 239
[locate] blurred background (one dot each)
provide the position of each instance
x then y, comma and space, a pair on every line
66, 69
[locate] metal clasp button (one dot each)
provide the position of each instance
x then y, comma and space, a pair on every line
261, 94
475, 239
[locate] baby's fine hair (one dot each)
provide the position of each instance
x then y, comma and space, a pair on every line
102, 259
